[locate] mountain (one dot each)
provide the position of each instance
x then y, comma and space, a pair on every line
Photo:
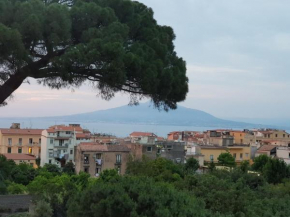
146, 114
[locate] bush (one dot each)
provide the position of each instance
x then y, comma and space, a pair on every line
14, 188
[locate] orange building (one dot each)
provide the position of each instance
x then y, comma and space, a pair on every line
20, 141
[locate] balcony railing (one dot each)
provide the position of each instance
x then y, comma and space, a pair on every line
61, 146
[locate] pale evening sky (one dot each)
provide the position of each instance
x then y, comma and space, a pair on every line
237, 54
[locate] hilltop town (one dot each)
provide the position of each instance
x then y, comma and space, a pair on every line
94, 153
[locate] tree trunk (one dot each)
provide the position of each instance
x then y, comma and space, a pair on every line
10, 86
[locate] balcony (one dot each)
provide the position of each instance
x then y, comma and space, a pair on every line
61, 146
118, 163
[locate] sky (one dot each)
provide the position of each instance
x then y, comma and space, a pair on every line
237, 54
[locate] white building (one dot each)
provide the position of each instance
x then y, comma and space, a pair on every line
58, 142
143, 138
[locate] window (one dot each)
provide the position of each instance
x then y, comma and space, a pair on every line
51, 141
118, 158
20, 141
158, 151
9, 150
19, 150
247, 155
211, 157
289, 155
71, 151
67, 132
50, 155
86, 159
276, 135
169, 147
241, 156
29, 150
30, 140
268, 135
283, 135
9, 141
98, 171
39, 141
98, 156
235, 155
149, 149
49, 161
241, 141
86, 169
61, 142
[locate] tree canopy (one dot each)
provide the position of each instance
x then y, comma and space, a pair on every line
116, 45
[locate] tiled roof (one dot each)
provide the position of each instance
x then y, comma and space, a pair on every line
56, 128
19, 157
92, 146
22, 131
142, 134
83, 135
266, 148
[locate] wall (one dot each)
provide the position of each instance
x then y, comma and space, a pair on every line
26, 146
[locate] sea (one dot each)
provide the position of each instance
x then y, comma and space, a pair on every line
116, 129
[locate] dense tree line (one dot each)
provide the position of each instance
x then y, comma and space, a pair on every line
157, 188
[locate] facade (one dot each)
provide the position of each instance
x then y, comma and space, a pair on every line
219, 138
93, 158
195, 152
240, 153
170, 150
283, 153
143, 138
22, 158
20, 141
243, 137
58, 143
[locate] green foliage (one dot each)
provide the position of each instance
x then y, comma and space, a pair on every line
226, 159
51, 168
69, 168
260, 162
160, 169
109, 175
23, 174
117, 45
6, 166
245, 166
211, 166
275, 170
42, 209
133, 197
191, 165
14, 188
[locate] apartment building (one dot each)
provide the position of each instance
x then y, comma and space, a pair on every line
93, 158
143, 138
218, 138
58, 143
240, 153
15, 140
243, 137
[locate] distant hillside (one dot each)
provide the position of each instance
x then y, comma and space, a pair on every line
146, 114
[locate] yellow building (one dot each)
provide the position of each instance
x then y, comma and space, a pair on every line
243, 137
240, 153
276, 134
20, 141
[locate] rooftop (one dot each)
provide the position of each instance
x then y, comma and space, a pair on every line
142, 134
93, 146
19, 157
21, 131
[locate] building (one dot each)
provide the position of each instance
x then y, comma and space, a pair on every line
283, 153
143, 138
194, 151
15, 140
93, 158
22, 158
170, 150
218, 138
269, 150
239, 152
243, 137
58, 143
